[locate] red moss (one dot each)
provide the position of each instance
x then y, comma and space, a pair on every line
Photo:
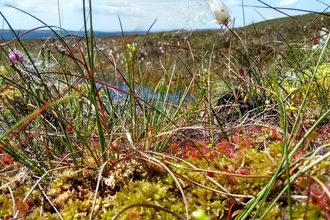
23, 207
275, 135
226, 148
299, 154
210, 174
200, 144
319, 197
198, 151
243, 171
6, 159
69, 129
115, 146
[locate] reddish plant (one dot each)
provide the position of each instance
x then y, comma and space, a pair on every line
226, 148
243, 171
210, 174
6, 159
69, 129
319, 197
115, 146
275, 135
198, 151
23, 207
174, 147
189, 151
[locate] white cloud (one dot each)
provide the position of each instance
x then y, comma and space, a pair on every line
126, 9
287, 2
33, 6
231, 2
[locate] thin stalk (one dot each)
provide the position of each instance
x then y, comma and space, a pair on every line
93, 90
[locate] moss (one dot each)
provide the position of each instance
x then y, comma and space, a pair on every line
321, 171
6, 206
9, 92
76, 209
37, 214
274, 213
166, 196
310, 212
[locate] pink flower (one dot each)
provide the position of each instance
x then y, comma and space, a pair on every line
15, 57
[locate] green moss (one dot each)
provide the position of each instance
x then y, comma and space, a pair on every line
321, 171
76, 209
165, 196
275, 212
310, 212
35, 215
8, 92
6, 205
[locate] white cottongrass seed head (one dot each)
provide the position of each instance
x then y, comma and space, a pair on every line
219, 11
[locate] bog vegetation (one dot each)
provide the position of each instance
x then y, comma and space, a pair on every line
223, 124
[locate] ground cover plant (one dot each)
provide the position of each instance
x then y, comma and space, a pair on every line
159, 126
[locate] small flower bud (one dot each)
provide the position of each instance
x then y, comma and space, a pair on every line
15, 57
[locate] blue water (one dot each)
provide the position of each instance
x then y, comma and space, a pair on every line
147, 94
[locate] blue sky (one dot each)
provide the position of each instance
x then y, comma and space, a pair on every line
140, 14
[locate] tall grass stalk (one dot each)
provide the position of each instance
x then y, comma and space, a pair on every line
89, 35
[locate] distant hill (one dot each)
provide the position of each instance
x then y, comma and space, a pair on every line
288, 27
44, 34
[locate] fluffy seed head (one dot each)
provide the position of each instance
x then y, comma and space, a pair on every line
219, 11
